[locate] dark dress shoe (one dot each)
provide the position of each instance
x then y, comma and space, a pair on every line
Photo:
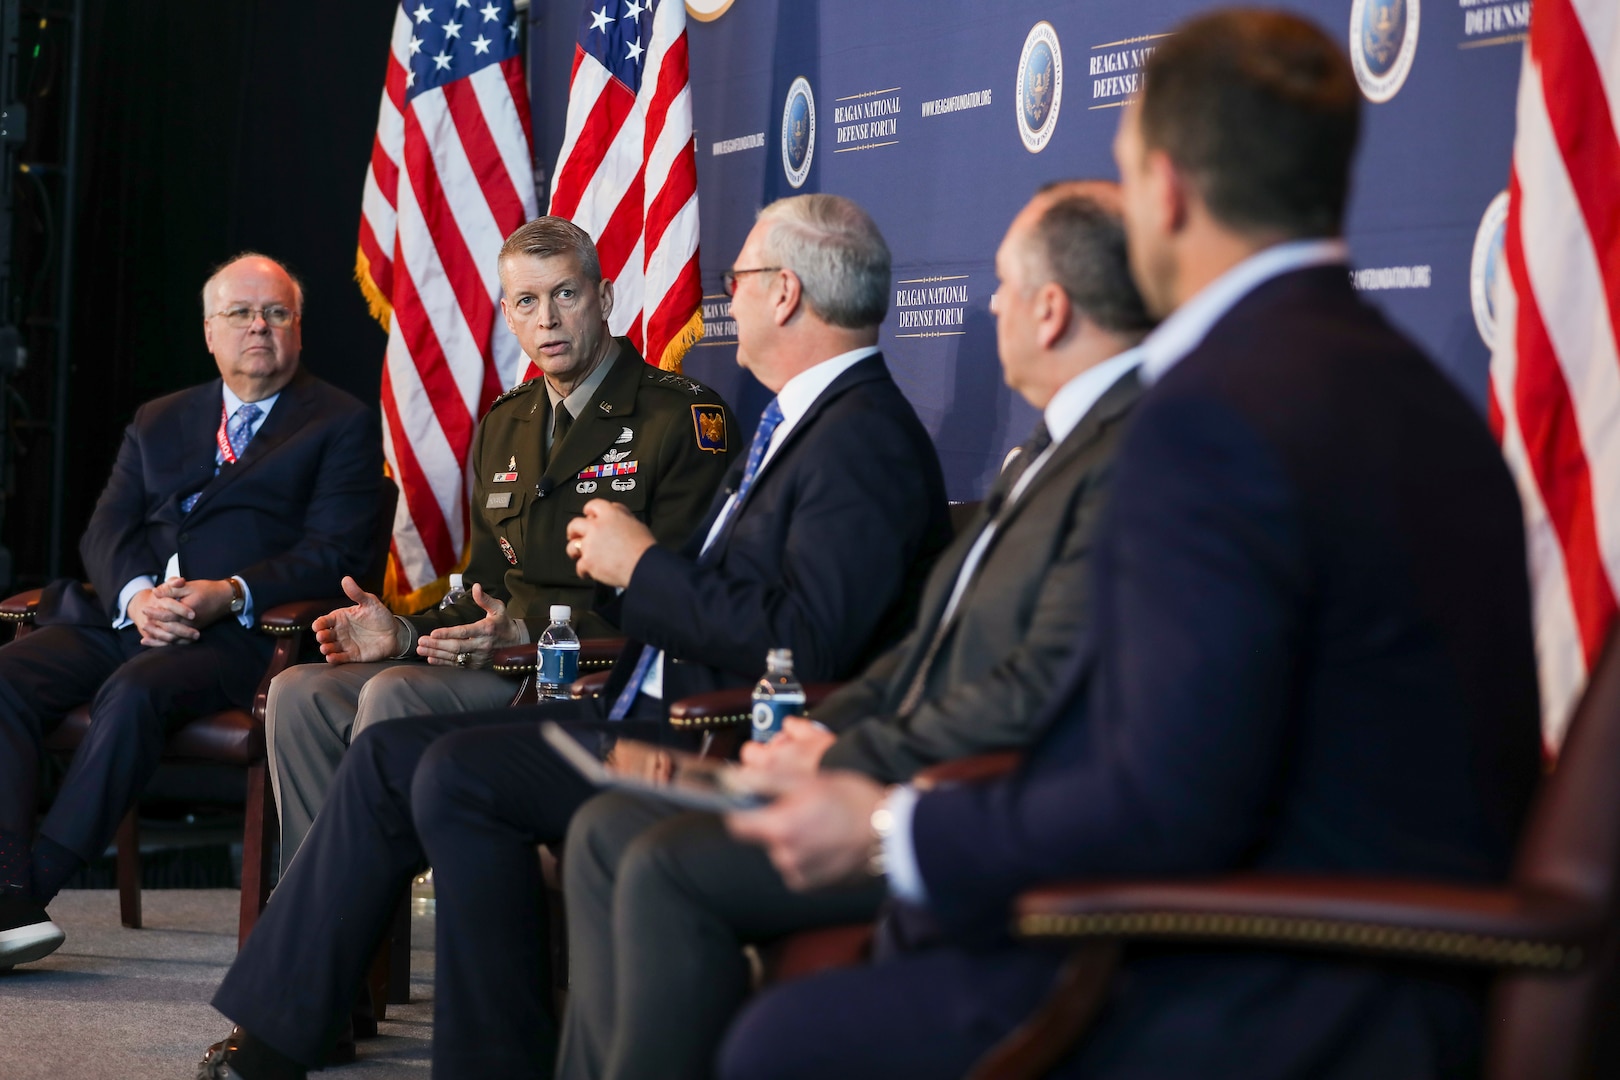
239, 1056
26, 932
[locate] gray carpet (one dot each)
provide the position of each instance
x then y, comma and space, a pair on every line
133, 1004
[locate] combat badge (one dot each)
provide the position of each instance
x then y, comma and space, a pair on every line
506, 547
624, 436
710, 422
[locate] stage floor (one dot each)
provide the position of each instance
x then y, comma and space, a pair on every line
133, 1004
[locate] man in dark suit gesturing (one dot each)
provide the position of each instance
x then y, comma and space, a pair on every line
668, 898
226, 499
812, 546
1311, 653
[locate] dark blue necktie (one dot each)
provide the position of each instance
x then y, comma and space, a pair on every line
239, 431
769, 421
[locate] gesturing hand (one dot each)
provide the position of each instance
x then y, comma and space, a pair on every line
474, 641
363, 633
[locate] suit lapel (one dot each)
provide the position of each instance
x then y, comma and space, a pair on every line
1107, 409
600, 422
198, 445
870, 369
291, 412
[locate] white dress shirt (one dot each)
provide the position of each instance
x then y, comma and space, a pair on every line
172, 568
1160, 351
794, 399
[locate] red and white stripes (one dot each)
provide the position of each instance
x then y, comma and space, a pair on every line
627, 174
1555, 372
450, 177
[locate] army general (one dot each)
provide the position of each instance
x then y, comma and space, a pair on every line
601, 424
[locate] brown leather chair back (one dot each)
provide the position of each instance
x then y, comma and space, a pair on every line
1552, 1026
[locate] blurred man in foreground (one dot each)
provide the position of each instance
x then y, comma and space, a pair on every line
1311, 653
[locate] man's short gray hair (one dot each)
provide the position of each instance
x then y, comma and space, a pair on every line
547, 237
838, 254
298, 286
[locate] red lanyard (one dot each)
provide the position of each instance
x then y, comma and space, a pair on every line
226, 454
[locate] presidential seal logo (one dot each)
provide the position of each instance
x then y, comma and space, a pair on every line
1040, 87
707, 10
1485, 266
1383, 40
798, 131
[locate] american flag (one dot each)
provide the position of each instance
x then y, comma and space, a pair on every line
627, 173
450, 177
1555, 370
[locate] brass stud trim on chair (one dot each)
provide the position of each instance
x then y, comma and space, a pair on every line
1360, 937
729, 720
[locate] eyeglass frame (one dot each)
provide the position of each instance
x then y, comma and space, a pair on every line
293, 315
728, 279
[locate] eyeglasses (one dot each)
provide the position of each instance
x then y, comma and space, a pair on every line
729, 278
240, 318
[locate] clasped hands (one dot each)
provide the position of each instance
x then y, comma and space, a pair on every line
367, 632
175, 612
606, 541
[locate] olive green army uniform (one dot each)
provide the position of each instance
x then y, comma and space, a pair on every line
639, 441
655, 441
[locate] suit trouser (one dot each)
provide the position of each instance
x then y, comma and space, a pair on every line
1207, 1013
316, 710
660, 903
137, 695
472, 795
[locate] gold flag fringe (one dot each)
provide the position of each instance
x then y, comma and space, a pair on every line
381, 309
679, 345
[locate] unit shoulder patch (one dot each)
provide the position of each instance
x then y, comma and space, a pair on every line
709, 421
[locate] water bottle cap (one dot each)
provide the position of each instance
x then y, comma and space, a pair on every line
455, 582
561, 612
779, 658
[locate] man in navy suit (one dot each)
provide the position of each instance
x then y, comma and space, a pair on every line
226, 499
1311, 650
820, 543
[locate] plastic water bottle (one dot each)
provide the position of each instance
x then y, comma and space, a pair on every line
455, 595
777, 696
557, 664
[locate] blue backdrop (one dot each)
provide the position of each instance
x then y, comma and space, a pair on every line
941, 117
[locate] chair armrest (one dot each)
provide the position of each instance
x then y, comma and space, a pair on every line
595, 654
1495, 926
724, 708
978, 769
589, 686
21, 607
295, 617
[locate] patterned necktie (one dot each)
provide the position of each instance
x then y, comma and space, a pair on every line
995, 504
238, 432
769, 421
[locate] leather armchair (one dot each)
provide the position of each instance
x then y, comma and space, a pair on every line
596, 656
1549, 934
232, 738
